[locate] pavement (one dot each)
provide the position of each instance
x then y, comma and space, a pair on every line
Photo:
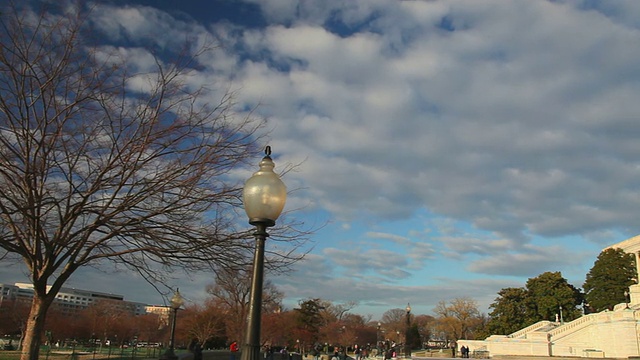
224, 355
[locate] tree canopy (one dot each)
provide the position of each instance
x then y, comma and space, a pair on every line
611, 275
549, 294
546, 296
309, 318
459, 318
508, 311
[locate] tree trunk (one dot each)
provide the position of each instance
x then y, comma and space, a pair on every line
35, 327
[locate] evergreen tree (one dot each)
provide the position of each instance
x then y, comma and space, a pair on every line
309, 318
413, 337
611, 275
545, 296
550, 294
509, 311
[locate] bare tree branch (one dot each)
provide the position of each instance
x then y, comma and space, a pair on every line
102, 163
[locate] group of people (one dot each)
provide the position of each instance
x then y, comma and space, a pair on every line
390, 353
464, 351
361, 352
338, 352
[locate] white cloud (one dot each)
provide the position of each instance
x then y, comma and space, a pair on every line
511, 125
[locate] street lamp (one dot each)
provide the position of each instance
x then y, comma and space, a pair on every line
264, 195
378, 338
176, 303
407, 348
561, 317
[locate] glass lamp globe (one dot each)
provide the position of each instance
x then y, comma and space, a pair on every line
264, 194
177, 301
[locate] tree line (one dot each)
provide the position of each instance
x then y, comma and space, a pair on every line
220, 319
550, 297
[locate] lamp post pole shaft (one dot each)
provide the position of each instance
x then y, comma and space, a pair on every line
251, 349
170, 354
407, 348
173, 331
378, 340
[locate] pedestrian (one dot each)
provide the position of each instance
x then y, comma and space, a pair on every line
314, 353
234, 349
196, 349
269, 352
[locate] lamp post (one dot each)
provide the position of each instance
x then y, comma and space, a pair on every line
263, 196
407, 348
378, 339
561, 317
176, 303
342, 336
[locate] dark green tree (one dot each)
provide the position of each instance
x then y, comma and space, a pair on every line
545, 296
413, 337
550, 294
611, 275
508, 311
481, 328
425, 325
309, 319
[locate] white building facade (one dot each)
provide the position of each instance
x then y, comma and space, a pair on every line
607, 334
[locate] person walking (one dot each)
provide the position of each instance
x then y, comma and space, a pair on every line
234, 349
196, 349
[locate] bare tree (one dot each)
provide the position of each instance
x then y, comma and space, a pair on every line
102, 162
203, 322
459, 317
13, 317
231, 292
334, 312
101, 315
394, 321
278, 327
425, 325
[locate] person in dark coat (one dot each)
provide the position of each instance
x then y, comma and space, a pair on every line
196, 349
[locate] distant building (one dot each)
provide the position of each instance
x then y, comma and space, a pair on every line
69, 300
162, 312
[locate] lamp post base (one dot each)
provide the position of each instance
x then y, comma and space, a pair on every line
250, 352
169, 355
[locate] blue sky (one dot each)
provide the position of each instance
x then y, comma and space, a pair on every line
450, 148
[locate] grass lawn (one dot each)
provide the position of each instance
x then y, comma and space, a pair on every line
80, 354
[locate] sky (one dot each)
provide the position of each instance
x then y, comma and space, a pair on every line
445, 149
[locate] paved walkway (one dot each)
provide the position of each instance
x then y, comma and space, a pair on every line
224, 355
